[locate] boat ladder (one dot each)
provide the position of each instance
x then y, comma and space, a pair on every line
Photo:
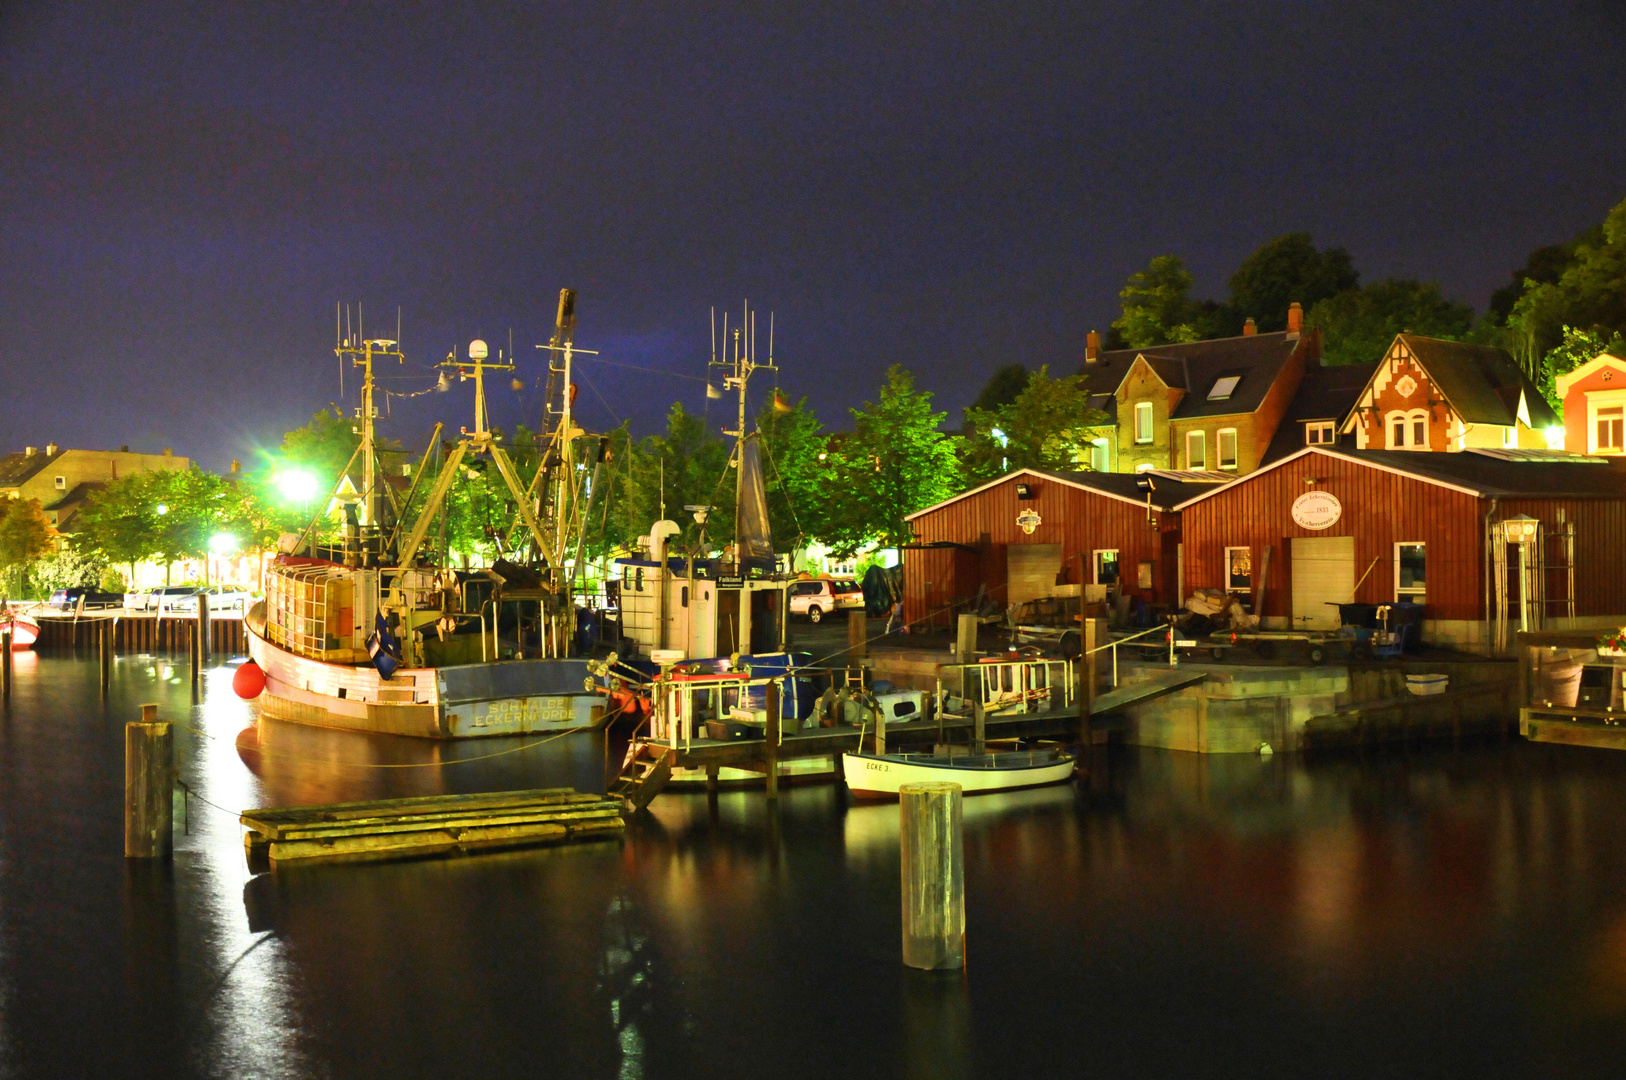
645, 770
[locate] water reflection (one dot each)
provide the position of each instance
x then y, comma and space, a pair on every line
1179, 916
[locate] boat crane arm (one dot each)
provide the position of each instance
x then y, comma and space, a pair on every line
437, 495
413, 490
506, 468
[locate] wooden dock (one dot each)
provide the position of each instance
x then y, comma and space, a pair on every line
141, 631
427, 825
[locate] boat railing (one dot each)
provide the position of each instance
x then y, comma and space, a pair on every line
676, 712
1112, 646
1027, 685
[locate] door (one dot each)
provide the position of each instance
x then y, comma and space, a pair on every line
1323, 575
1030, 571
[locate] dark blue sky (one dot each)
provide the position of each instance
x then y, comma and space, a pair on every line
186, 190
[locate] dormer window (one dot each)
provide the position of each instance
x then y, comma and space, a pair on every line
1224, 387
62, 483
1143, 421
1318, 433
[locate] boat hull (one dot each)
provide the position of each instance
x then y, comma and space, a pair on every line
24, 631
460, 702
871, 776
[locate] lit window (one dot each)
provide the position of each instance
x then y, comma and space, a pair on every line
1196, 456
1319, 433
61, 483
1609, 426
1227, 448
1510, 438
1143, 421
1100, 455
1419, 432
1410, 564
1106, 567
1397, 433
1408, 430
1223, 388
1238, 569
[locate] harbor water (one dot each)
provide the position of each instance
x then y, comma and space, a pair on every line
1449, 911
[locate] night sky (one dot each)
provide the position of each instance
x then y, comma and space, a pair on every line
186, 191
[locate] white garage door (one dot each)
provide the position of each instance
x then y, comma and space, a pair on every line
1323, 574
1030, 571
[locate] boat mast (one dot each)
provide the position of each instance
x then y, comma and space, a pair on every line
740, 369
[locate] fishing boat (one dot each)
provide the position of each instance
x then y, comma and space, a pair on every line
24, 630
878, 776
377, 631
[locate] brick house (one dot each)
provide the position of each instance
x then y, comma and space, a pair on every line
1594, 398
1447, 396
61, 479
1202, 406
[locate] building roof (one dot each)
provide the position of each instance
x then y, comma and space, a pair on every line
1483, 475
1483, 384
1195, 367
1326, 393
1124, 487
18, 468
1597, 363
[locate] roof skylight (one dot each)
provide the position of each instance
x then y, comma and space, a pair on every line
1223, 387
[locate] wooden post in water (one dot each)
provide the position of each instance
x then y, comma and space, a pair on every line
5, 665
104, 637
933, 851
965, 644
979, 726
857, 636
203, 629
149, 779
1089, 676
771, 749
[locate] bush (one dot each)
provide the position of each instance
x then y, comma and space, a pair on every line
68, 570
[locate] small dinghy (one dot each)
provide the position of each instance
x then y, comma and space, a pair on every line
877, 776
24, 631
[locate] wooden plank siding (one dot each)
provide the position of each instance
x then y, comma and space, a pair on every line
1600, 550
1380, 509
1080, 521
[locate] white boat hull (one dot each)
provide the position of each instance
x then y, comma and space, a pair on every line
878, 777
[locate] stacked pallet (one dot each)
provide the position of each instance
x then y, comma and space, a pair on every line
427, 825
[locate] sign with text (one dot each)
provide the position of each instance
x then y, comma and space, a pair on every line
730, 582
1317, 510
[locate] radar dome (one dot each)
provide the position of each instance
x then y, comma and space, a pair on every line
477, 349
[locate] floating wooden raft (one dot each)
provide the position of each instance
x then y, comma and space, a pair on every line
428, 824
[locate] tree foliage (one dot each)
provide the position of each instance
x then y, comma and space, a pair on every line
1045, 427
24, 538
1285, 270
1576, 348
895, 461
1357, 325
1158, 308
1002, 388
796, 464
1590, 294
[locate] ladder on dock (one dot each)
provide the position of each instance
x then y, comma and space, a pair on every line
643, 774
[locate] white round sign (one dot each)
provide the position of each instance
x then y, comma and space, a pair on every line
1317, 510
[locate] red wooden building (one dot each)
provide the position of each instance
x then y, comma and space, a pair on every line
1328, 525
1033, 533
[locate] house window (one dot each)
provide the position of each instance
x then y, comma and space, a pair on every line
1143, 421
1238, 569
1410, 563
1106, 567
1196, 458
1408, 430
1227, 448
1510, 438
1100, 456
62, 482
1318, 433
1607, 426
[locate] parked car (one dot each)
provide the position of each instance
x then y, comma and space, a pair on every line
821, 596
163, 597
221, 598
95, 599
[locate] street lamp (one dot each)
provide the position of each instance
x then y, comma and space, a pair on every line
296, 486
1521, 529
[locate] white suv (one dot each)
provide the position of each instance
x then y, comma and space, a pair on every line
822, 596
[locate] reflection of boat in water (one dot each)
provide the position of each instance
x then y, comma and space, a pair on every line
24, 630
878, 776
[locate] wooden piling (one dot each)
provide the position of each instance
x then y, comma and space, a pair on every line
149, 779
1089, 676
933, 857
965, 644
857, 634
204, 650
771, 741
105, 640
5, 665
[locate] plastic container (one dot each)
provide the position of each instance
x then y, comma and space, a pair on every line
1425, 685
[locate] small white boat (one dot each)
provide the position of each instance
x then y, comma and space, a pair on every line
877, 776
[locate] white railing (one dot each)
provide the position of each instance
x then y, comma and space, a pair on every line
1112, 646
1004, 686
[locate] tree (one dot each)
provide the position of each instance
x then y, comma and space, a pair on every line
24, 537
1043, 428
1589, 294
119, 522
69, 569
1003, 387
796, 462
1158, 308
322, 447
1577, 347
895, 461
1544, 266
1284, 270
1359, 324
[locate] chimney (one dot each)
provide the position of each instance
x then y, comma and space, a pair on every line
124, 449
1295, 318
168, 452
235, 465
50, 449
29, 451
1249, 328
1092, 347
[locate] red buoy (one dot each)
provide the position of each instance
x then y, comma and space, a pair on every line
249, 681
